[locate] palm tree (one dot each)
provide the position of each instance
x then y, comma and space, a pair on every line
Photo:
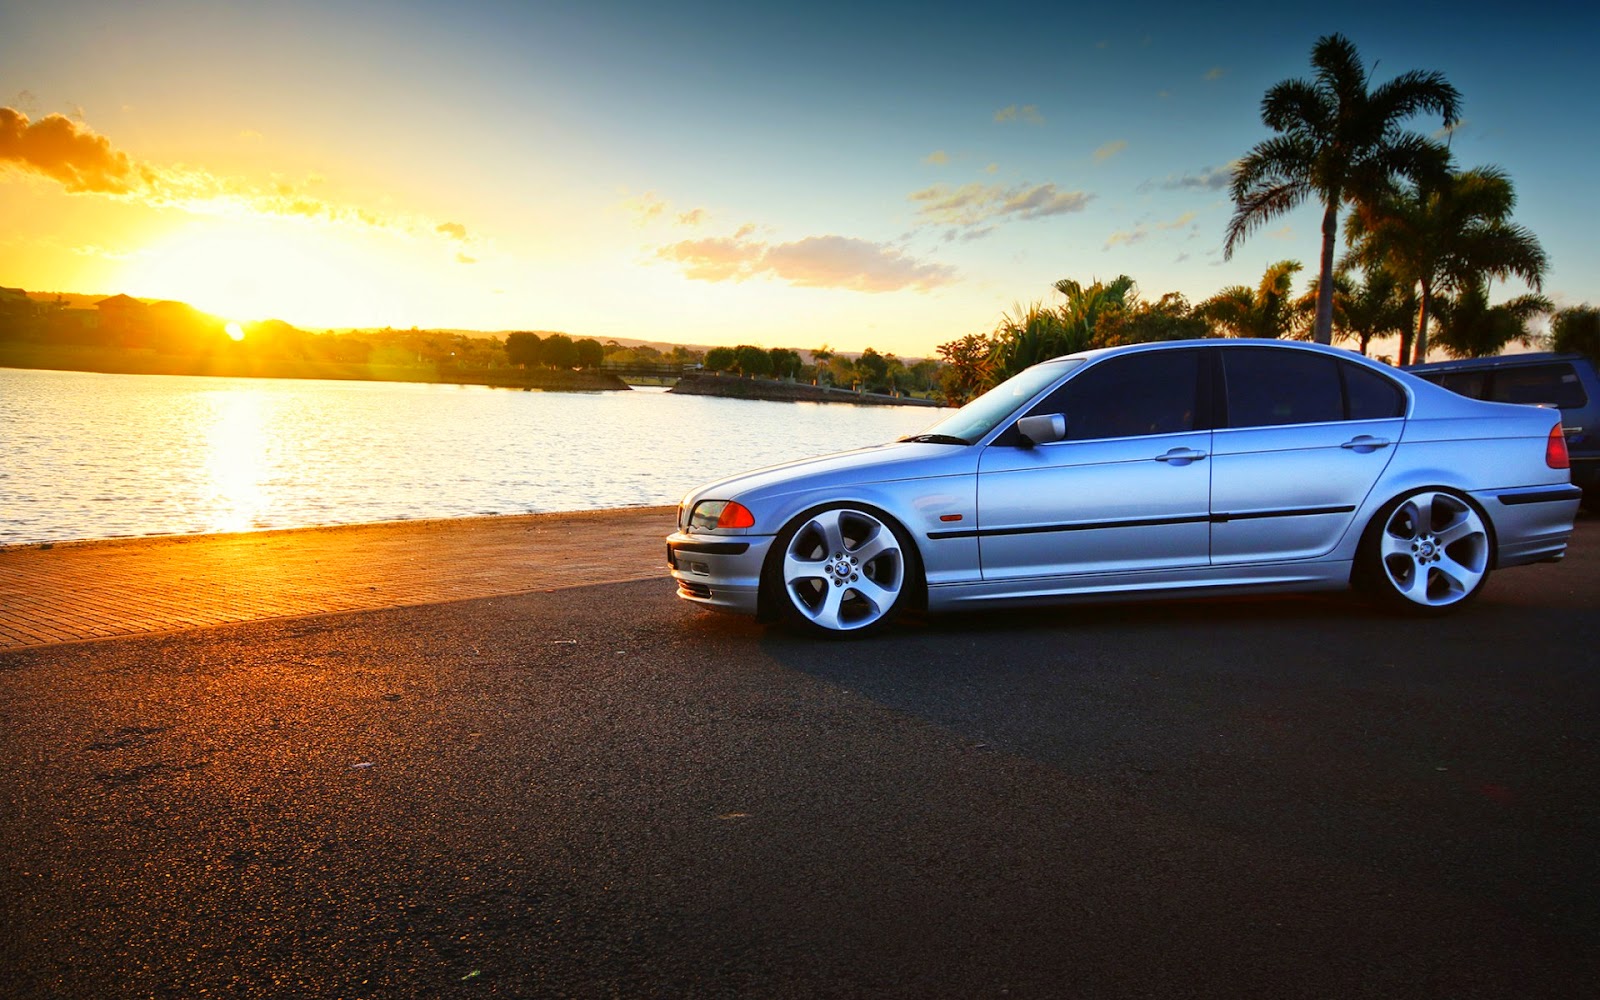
1269, 311
1087, 303
1029, 335
1446, 234
1469, 327
821, 356
1367, 305
1339, 142
1026, 336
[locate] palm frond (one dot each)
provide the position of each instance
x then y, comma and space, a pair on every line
1415, 92
1339, 68
1296, 105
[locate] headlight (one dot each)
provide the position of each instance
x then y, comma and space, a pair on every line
709, 514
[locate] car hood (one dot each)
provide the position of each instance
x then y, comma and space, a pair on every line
877, 464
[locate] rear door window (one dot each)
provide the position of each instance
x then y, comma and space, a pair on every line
1272, 387
1370, 396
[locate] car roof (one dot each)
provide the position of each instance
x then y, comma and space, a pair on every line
1226, 343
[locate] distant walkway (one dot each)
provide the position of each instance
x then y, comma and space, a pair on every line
93, 590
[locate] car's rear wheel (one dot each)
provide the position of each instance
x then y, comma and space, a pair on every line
843, 570
1427, 552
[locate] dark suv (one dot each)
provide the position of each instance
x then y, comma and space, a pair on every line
1566, 381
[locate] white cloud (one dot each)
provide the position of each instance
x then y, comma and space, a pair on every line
1109, 150
1028, 113
1206, 179
975, 204
813, 262
1144, 231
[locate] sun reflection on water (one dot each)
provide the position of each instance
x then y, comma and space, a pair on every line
237, 462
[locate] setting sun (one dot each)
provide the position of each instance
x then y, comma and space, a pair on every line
234, 332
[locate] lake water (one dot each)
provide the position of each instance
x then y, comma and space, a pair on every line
84, 455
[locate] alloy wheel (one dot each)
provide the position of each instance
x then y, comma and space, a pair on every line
843, 570
1434, 549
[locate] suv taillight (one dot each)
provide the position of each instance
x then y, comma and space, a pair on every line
1555, 449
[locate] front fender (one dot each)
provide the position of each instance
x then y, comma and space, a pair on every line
921, 507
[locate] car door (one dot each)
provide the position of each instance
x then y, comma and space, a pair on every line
1305, 437
1128, 488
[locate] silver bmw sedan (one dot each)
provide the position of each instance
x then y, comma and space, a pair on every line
1176, 469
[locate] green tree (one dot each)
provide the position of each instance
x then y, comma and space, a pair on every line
590, 353
823, 357
1338, 142
752, 361
968, 368
1446, 234
680, 355
1367, 306
1268, 310
873, 370
1469, 327
924, 375
1086, 304
1028, 336
785, 362
720, 359
1168, 318
558, 351
1576, 329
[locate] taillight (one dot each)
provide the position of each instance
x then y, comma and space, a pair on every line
1555, 449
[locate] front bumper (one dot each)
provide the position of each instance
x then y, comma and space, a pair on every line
719, 571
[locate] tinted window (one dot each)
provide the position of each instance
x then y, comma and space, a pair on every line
1553, 385
1370, 396
1268, 387
1473, 385
1137, 394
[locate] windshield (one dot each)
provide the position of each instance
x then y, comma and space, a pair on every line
985, 413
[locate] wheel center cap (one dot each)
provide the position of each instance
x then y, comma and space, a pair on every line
1426, 549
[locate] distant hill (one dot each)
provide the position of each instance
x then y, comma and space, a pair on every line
83, 300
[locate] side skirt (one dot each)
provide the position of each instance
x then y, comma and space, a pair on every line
1154, 584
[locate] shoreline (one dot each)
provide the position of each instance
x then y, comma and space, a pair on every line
738, 387
420, 523
97, 362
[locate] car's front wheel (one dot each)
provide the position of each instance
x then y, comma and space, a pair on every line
1427, 552
842, 570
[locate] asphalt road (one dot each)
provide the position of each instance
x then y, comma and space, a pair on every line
604, 792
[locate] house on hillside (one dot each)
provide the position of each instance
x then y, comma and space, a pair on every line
124, 321
17, 313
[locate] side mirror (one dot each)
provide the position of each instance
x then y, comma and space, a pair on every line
1042, 429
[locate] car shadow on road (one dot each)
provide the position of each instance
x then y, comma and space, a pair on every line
1317, 725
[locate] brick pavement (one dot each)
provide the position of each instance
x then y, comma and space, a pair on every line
91, 590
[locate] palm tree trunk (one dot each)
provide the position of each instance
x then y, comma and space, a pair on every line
1423, 310
1323, 332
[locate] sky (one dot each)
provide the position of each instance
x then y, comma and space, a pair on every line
858, 175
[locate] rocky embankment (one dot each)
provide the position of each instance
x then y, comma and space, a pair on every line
734, 387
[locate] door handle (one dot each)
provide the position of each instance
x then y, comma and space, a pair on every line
1365, 443
1181, 455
